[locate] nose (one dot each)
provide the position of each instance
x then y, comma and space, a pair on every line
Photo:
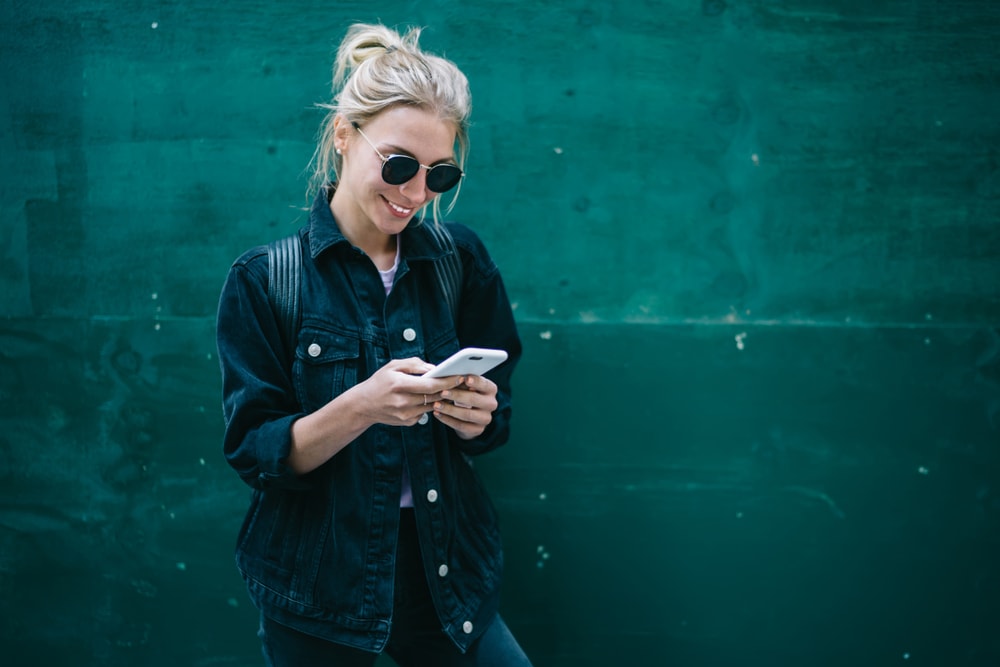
415, 189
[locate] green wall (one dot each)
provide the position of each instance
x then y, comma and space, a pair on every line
754, 249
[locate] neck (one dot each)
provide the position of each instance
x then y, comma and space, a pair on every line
380, 247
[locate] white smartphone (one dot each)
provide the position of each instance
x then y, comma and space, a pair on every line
470, 361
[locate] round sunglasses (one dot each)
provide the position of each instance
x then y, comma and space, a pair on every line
398, 169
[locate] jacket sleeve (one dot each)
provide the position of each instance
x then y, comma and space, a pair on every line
258, 397
486, 320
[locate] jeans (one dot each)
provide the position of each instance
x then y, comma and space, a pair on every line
416, 640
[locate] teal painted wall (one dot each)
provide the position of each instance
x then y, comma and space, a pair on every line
755, 253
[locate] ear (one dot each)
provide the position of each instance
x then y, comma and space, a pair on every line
342, 132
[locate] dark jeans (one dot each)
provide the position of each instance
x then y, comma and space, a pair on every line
416, 640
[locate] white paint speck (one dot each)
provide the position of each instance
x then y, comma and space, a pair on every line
182, 566
154, 25
545, 335
543, 496
923, 470
154, 296
558, 150
740, 337
755, 159
201, 461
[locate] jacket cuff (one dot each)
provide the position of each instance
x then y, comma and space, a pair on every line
271, 443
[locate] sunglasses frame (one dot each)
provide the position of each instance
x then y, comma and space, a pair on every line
411, 160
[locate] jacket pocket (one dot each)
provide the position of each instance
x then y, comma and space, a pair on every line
277, 545
326, 365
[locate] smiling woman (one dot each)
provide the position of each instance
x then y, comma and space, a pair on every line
368, 529
372, 203
377, 69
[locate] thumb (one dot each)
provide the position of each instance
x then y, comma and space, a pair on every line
412, 366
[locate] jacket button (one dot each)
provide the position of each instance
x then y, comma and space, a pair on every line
409, 335
423, 419
432, 496
467, 627
443, 571
314, 350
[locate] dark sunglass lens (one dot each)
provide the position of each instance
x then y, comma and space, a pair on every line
443, 177
398, 169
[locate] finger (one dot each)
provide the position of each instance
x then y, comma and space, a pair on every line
459, 398
464, 398
466, 415
465, 430
411, 366
428, 400
481, 385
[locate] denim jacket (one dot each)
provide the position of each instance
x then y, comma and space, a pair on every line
318, 551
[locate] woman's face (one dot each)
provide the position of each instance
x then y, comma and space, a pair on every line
402, 131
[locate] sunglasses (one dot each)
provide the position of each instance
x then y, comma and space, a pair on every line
398, 169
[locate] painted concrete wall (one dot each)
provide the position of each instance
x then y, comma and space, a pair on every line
755, 254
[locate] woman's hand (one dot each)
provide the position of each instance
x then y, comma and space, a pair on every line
468, 406
396, 394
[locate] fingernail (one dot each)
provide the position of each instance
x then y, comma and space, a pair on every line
445, 394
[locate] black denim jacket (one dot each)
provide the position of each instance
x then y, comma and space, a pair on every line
317, 551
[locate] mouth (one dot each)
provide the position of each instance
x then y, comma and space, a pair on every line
398, 211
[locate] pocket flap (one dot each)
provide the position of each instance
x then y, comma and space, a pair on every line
317, 346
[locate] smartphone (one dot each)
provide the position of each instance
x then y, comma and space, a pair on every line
470, 361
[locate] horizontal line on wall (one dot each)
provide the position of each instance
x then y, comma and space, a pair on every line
587, 322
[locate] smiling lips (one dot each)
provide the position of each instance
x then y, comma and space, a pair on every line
399, 211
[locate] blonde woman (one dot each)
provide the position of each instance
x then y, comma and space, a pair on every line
368, 530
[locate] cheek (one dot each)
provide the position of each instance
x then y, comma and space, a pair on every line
361, 180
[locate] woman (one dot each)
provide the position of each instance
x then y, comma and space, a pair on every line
368, 530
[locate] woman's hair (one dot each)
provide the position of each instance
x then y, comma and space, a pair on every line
376, 69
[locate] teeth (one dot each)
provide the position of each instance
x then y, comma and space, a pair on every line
400, 209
